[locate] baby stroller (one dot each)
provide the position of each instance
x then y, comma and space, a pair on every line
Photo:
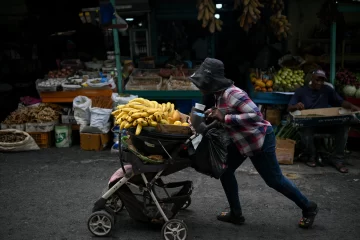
136, 185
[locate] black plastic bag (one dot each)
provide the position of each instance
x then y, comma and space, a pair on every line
211, 155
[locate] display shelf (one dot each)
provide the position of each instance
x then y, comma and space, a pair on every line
68, 96
271, 98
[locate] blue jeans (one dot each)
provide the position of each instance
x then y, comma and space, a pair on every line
266, 164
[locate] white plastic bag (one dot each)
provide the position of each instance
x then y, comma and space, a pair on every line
120, 100
27, 144
91, 83
81, 105
99, 118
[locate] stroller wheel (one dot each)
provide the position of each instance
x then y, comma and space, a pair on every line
174, 229
115, 203
100, 223
186, 204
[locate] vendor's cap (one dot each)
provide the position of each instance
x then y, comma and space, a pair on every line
319, 73
210, 76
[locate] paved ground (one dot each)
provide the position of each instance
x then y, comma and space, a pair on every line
48, 194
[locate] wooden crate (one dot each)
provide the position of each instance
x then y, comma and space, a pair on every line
43, 139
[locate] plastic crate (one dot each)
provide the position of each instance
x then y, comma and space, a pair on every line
43, 139
181, 83
144, 79
139, 74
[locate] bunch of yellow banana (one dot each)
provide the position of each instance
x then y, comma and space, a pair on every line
277, 5
141, 112
280, 25
251, 13
207, 15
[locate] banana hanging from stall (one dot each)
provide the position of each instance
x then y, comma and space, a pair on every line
251, 13
206, 14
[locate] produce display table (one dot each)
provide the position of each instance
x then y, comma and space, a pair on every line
68, 96
268, 97
167, 95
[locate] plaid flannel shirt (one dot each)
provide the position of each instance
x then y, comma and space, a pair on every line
243, 120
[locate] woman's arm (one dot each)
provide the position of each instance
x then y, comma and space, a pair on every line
248, 112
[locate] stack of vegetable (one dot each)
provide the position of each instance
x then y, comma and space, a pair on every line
349, 82
288, 131
207, 15
42, 113
141, 112
9, 137
63, 73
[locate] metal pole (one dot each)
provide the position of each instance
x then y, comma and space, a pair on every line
333, 53
117, 52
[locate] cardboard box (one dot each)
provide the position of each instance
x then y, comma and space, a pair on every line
93, 141
324, 116
285, 150
175, 129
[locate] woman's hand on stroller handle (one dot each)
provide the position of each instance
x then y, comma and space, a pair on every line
215, 114
203, 128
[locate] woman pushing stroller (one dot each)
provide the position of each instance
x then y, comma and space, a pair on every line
252, 137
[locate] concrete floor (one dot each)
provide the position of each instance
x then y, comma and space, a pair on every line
49, 194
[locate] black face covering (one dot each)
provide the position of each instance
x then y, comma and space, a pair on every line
210, 76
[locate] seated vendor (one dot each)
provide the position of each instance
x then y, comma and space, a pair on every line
319, 94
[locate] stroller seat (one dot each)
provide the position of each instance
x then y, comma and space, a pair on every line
168, 167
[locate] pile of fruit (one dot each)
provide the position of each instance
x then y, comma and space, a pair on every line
261, 85
207, 15
140, 112
287, 80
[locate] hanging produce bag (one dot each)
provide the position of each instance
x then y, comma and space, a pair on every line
211, 154
81, 105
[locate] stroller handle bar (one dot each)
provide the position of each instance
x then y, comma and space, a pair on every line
203, 128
